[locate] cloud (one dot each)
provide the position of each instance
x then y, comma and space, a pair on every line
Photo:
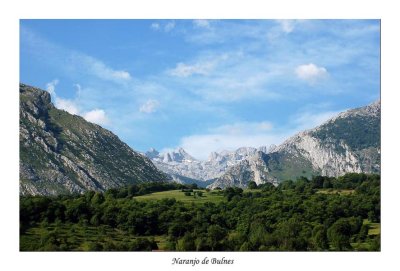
96, 116
65, 104
244, 127
166, 27
97, 68
71, 105
287, 26
68, 105
51, 87
230, 77
185, 70
252, 134
71, 61
149, 106
155, 26
311, 119
169, 26
311, 73
231, 137
201, 23
78, 89
200, 146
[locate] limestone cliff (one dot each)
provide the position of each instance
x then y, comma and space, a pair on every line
62, 153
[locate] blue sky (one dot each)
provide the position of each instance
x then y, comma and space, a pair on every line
204, 85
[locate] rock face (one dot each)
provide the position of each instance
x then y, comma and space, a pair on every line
184, 168
253, 168
62, 153
349, 142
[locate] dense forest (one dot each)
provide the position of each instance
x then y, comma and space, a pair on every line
317, 214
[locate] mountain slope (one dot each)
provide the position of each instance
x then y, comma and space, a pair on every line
349, 142
63, 153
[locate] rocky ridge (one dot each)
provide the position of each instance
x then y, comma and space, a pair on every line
62, 153
349, 142
184, 168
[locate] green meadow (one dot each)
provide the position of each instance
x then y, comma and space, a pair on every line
211, 196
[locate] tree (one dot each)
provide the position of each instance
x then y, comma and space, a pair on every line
97, 199
252, 185
289, 235
339, 234
362, 235
317, 181
186, 243
257, 233
201, 244
327, 183
376, 243
215, 234
319, 239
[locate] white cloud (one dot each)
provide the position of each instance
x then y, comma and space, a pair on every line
78, 89
287, 26
236, 85
155, 26
68, 105
51, 87
64, 104
166, 27
201, 23
230, 76
244, 128
311, 119
231, 137
311, 73
200, 146
169, 26
97, 116
71, 61
99, 69
149, 106
185, 70
251, 134
71, 105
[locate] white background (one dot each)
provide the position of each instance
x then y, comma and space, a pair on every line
12, 259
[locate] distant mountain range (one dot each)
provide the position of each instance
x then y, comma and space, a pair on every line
62, 153
183, 168
349, 142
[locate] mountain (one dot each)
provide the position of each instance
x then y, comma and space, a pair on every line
253, 168
184, 168
349, 142
63, 153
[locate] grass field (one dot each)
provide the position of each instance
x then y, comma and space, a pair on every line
180, 196
373, 228
334, 191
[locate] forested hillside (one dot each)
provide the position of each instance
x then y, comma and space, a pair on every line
324, 213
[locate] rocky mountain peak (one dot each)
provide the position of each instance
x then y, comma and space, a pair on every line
35, 95
34, 100
62, 153
349, 142
152, 153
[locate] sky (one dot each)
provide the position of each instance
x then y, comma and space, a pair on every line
203, 85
